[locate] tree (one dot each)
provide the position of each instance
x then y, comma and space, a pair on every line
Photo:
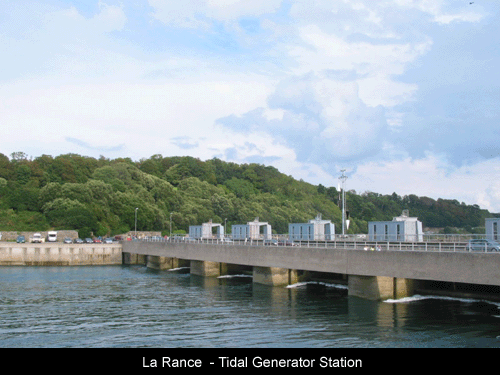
64, 213
55, 191
6, 170
222, 206
18, 156
23, 174
241, 188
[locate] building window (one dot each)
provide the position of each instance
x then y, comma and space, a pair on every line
495, 230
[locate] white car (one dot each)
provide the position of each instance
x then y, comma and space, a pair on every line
483, 245
52, 236
37, 238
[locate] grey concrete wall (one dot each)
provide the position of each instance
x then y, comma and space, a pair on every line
474, 268
48, 254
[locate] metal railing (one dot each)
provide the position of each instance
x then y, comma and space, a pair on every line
352, 243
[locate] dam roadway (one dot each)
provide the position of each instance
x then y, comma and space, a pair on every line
368, 274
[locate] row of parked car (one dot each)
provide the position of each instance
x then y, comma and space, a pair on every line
89, 240
22, 239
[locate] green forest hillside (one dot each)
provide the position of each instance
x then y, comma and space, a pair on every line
99, 197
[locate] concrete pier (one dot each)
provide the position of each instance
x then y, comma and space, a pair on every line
380, 287
162, 263
216, 269
274, 276
205, 268
130, 259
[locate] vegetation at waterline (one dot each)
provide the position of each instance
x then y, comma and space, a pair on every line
99, 197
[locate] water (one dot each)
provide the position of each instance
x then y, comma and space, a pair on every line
135, 307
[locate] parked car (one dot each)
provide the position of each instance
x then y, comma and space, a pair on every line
52, 236
97, 240
287, 243
67, 240
270, 242
78, 240
108, 240
89, 240
37, 238
20, 239
483, 245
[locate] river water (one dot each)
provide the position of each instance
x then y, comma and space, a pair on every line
135, 307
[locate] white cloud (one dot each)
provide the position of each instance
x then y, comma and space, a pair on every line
438, 10
113, 112
376, 65
432, 176
110, 18
200, 13
309, 87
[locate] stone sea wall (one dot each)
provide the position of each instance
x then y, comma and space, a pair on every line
59, 254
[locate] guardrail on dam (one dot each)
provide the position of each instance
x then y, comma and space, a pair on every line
370, 274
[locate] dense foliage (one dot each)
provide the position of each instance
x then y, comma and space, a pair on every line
99, 196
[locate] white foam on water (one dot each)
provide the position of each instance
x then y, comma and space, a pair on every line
178, 268
328, 285
232, 276
418, 297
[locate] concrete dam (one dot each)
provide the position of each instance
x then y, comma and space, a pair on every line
375, 275
372, 275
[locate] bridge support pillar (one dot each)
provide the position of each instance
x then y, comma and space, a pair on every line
274, 276
380, 287
130, 258
204, 268
162, 263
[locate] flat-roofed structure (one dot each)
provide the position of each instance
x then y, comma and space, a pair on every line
401, 228
315, 230
492, 225
206, 231
255, 230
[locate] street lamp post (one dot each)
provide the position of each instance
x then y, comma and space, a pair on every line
171, 224
136, 221
343, 178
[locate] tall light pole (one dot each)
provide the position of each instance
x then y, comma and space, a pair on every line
171, 224
343, 178
136, 221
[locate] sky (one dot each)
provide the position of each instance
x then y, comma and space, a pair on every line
401, 94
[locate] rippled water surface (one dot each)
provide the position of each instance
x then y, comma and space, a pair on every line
132, 306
